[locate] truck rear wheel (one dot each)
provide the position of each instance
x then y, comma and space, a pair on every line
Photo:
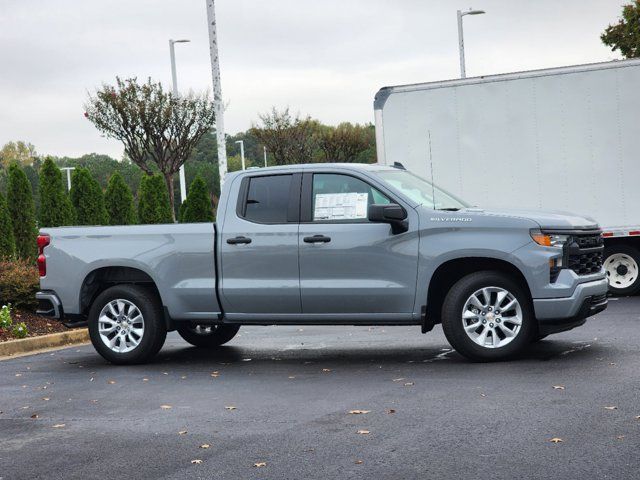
207, 336
621, 264
486, 316
126, 324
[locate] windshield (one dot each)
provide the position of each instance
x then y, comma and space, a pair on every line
421, 191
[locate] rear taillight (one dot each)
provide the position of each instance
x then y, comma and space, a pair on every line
43, 241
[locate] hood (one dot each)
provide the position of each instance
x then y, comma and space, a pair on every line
545, 219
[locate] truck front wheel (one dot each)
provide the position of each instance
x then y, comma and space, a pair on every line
207, 336
621, 264
126, 324
486, 316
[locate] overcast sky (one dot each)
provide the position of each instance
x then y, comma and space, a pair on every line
325, 58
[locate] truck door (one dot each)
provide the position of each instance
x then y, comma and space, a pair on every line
349, 265
259, 246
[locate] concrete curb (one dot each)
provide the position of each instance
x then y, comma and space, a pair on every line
31, 345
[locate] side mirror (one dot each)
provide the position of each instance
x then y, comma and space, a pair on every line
392, 214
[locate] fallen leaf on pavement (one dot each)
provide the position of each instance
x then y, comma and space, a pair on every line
558, 387
260, 464
397, 379
46, 399
183, 377
620, 437
391, 410
358, 462
292, 376
326, 369
408, 384
59, 425
230, 407
613, 407
637, 417
205, 445
35, 415
166, 407
363, 432
111, 382
197, 461
182, 432
556, 440
18, 374
358, 412
145, 379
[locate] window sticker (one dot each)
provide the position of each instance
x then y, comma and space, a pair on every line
341, 206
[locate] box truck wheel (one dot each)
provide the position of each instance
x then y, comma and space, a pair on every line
488, 316
126, 324
621, 264
207, 336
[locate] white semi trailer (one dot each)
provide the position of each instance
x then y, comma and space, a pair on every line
561, 139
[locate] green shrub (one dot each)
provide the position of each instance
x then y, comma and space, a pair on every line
5, 317
119, 202
22, 212
87, 199
20, 330
55, 205
19, 282
153, 200
7, 242
198, 207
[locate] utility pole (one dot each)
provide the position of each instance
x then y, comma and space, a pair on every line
463, 72
68, 169
217, 90
174, 79
241, 142
264, 149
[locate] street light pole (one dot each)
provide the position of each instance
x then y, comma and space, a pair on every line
217, 90
68, 169
264, 149
174, 79
463, 72
241, 142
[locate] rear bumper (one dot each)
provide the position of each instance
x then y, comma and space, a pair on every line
49, 305
560, 314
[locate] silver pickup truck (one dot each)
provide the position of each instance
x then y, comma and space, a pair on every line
327, 244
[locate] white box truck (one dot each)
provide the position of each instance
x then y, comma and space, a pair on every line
556, 139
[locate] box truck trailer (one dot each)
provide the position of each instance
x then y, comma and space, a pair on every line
555, 139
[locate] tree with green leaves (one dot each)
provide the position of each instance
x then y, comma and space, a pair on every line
7, 242
119, 202
22, 212
625, 35
22, 153
154, 125
56, 209
198, 207
153, 201
87, 199
347, 142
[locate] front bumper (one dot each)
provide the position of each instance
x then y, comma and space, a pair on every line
560, 314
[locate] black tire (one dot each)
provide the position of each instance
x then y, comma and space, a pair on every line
206, 336
609, 251
452, 323
155, 330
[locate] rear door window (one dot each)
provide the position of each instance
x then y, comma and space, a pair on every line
267, 199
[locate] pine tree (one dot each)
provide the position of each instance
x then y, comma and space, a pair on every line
119, 202
153, 200
7, 242
22, 212
55, 205
87, 199
198, 207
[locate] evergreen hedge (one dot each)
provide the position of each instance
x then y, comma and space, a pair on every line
198, 208
22, 212
87, 199
119, 202
7, 242
56, 209
153, 200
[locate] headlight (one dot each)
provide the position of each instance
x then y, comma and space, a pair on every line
549, 239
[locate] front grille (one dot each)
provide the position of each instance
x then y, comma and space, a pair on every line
584, 252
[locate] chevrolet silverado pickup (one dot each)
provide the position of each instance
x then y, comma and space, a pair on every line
327, 244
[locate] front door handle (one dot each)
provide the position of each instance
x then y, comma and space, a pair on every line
237, 240
317, 239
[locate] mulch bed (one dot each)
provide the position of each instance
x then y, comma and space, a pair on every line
36, 325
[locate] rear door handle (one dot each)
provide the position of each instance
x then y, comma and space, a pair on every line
317, 239
237, 240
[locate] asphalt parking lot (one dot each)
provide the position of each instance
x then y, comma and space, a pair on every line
431, 414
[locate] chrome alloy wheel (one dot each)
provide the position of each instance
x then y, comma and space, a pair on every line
492, 317
121, 325
621, 269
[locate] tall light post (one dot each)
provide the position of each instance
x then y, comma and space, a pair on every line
264, 150
241, 142
174, 79
463, 73
68, 169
